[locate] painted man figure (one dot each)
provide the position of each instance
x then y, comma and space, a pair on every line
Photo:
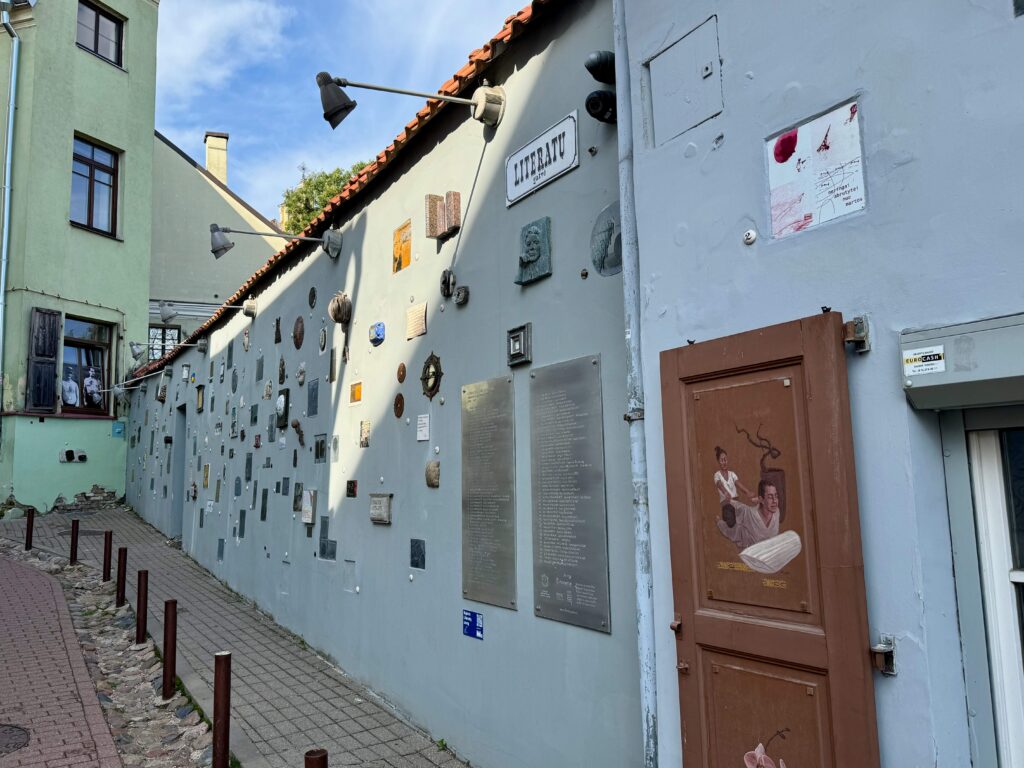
69, 392
753, 524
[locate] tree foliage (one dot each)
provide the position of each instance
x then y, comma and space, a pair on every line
304, 202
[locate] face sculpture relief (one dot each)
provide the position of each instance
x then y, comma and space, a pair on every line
531, 246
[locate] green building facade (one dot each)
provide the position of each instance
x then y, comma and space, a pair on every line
80, 241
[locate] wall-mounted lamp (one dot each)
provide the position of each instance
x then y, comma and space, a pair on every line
139, 350
488, 102
168, 312
220, 244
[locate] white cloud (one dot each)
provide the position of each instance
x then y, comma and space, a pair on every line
203, 44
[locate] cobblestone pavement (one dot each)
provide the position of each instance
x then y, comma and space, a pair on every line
285, 699
45, 686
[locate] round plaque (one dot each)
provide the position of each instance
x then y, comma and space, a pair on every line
430, 378
312, 297
399, 405
298, 332
401, 372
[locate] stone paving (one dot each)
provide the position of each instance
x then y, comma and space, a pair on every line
285, 699
45, 687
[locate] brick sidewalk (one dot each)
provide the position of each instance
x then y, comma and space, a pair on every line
45, 687
284, 698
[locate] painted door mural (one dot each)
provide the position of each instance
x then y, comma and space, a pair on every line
771, 619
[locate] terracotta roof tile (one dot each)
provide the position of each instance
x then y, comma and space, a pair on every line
478, 61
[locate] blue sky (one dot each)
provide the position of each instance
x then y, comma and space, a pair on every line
247, 67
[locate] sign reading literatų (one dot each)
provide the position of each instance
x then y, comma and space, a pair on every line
542, 160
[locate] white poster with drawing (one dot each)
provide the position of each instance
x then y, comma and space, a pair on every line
815, 171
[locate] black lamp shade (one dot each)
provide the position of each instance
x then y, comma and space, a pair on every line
335, 101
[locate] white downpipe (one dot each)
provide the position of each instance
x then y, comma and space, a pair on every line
635, 394
5, 242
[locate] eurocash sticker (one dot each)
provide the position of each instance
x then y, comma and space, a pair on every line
473, 624
917, 362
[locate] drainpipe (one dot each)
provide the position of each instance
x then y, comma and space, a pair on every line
635, 393
5, 242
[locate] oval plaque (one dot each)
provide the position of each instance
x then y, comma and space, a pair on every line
401, 372
323, 339
298, 332
312, 297
399, 405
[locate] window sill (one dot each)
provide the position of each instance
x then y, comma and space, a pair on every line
114, 64
86, 416
100, 232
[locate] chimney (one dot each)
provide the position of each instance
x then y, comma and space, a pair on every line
217, 155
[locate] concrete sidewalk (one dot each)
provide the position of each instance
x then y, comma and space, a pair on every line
45, 687
284, 698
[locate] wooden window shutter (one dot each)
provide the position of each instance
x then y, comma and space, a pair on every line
43, 346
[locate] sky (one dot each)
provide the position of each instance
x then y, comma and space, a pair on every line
248, 68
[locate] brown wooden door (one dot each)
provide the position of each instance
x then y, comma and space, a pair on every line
772, 645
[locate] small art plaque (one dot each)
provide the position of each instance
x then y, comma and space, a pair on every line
416, 320
534, 251
380, 508
308, 506
401, 250
473, 624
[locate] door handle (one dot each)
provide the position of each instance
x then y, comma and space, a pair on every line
677, 625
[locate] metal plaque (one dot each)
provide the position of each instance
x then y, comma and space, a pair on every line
298, 332
488, 493
570, 525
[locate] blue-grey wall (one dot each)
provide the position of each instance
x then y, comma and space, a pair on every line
937, 243
534, 692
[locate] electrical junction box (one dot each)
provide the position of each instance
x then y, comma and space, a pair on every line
968, 365
686, 82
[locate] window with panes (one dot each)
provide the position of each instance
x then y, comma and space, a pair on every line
162, 339
94, 187
85, 376
99, 32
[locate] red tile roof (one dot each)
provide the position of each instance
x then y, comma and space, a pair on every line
460, 82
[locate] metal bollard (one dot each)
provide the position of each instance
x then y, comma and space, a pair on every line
108, 544
73, 557
170, 646
141, 605
30, 518
316, 758
221, 708
122, 567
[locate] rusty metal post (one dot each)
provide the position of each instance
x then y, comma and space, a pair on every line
108, 545
141, 606
316, 758
73, 557
122, 567
221, 708
30, 519
170, 646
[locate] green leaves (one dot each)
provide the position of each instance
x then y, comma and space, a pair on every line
304, 202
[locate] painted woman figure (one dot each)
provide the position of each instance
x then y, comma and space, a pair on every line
727, 481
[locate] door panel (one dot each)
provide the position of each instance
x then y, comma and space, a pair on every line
766, 557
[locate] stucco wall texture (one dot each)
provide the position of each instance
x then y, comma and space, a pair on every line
534, 691
937, 243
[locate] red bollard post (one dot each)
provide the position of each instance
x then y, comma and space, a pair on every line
316, 758
30, 518
73, 557
108, 544
122, 567
221, 708
141, 606
170, 646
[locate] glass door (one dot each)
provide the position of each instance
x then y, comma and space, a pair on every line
997, 481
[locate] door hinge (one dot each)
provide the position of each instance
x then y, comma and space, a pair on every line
883, 655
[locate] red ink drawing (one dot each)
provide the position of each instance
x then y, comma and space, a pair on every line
824, 146
800, 163
853, 113
785, 146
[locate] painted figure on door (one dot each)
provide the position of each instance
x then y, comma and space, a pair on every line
754, 527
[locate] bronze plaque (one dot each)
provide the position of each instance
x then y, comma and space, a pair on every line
298, 332
399, 405
488, 493
401, 372
570, 526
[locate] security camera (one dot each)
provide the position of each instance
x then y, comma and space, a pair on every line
601, 106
